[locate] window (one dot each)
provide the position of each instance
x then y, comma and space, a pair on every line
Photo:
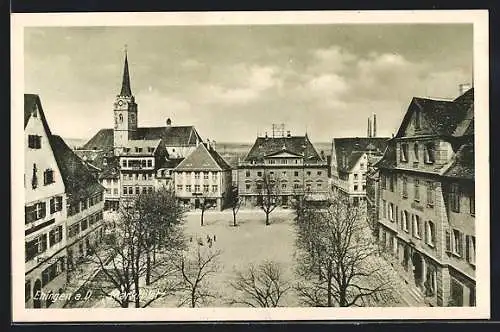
355, 176
205, 188
417, 231
308, 186
391, 211
151, 149
383, 181
150, 189
188, 188
405, 187
196, 188
55, 236
85, 224
384, 208
150, 163
205, 175
258, 173
470, 249
296, 173
364, 187
35, 247
430, 193
259, 186
248, 186
73, 230
415, 151
40, 210
456, 294
417, 190
179, 187
404, 152
417, 119
362, 165
115, 191
319, 173
308, 173
34, 142
27, 290
296, 186
430, 233
391, 183
457, 242
48, 177
214, 176
455, 197
137, 190
124, 163
283, 173
124, 190
404, 220
355, 187
138, 149
130, 190
472, 204
215, 188
34, 178
429, 153
55, 204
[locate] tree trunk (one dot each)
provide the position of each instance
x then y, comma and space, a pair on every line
234, 218
136, 292
148, 268
267, 219
202, 213
343, 297
329, 290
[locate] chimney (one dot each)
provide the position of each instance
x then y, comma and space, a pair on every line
169, 122
374, 134
463, 88
369, 128
288, 133
266, 135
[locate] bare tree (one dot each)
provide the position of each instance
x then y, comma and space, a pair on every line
194, 268
235, 203
335, 251
261, 286
147, 224
268, 195
205, 204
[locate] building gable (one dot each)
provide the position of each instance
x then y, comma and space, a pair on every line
199, 159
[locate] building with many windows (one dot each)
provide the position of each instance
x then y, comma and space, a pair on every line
350, 161
55, 178
426, 202
203, 176
291, 161
158, 147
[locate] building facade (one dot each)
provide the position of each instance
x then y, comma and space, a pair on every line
55, 178
426, 202
128, 143
203, 176
351, 159
291, 162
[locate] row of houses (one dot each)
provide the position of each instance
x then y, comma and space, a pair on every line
63, 209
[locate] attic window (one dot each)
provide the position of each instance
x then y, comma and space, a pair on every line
150, 149
35, 112
417, 119
138, 149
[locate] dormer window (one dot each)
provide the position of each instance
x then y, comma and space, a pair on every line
138, 149
48, 177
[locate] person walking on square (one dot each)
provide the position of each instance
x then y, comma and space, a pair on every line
215, 238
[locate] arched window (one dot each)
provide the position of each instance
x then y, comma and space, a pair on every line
415, 151
120, 117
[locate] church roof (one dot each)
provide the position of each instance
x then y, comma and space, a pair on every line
203, 158
297, 145
171, 136
126, 90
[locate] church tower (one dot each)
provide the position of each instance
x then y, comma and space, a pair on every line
125, 113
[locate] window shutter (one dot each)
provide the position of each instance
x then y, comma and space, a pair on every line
461, 244
44, 209
427, 235
448, 241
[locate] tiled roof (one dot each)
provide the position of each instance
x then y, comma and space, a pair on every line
354, 147
77, 178
447, 118
299, 145
170, 163
203, 159
171, 136
389, 158
463, 164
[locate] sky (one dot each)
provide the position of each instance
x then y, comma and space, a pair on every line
233, 82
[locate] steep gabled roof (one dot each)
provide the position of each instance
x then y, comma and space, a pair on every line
348, 150
78, 179
203, 159
32, 101
462, 166
298, 145
388, 161
102, 140
444, 117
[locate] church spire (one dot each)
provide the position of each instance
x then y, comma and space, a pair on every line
126, 91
